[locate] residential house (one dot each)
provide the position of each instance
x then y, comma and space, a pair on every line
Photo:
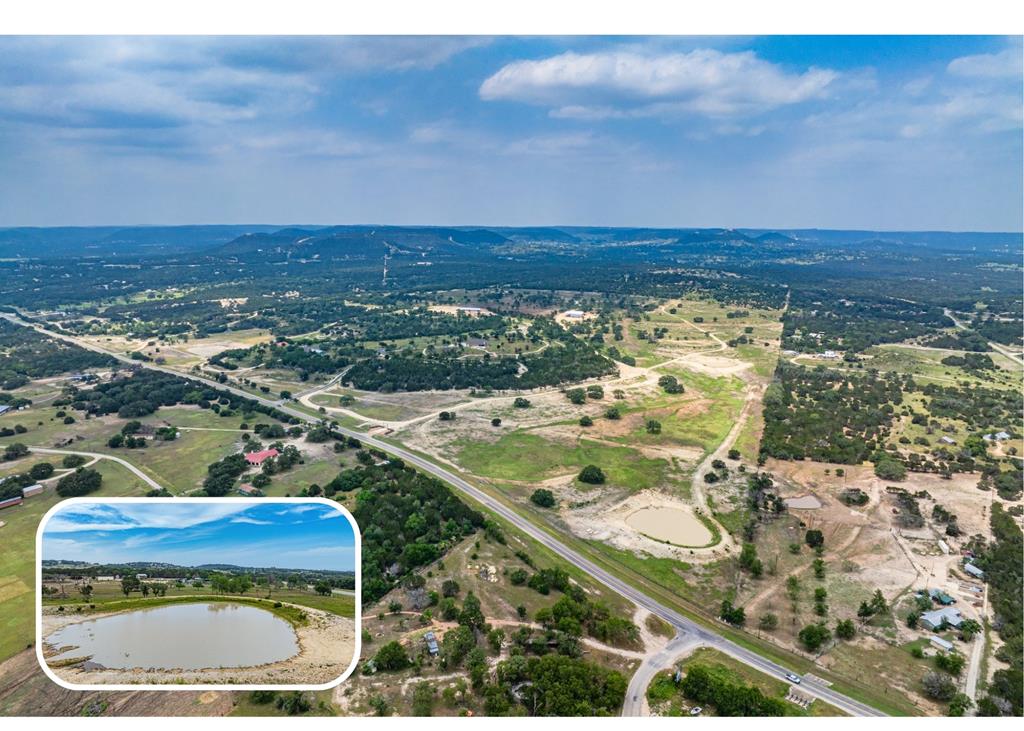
258, 458
938, 619
941, 597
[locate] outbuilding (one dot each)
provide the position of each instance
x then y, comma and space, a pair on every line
974, 571
940, 643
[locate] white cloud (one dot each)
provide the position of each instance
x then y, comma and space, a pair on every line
125, 516
626, 83
251, 521
1007, 64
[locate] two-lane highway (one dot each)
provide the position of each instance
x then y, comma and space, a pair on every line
686, 628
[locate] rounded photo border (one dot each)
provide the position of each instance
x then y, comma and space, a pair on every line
357, 646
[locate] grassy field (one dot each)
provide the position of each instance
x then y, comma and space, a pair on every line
17, 558
287, 484
528, 457
926, 365
107, 596
707, 428
664, 689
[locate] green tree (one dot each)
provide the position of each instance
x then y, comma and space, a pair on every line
591, 474
813, 636
391, 657
845, 629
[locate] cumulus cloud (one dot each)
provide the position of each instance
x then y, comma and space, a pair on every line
628, 83
1007, 64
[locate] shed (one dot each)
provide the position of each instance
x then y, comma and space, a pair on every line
248, 489
974, 571
10, 502
940, 643
31, 490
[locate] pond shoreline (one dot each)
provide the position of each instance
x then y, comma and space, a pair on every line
326, 645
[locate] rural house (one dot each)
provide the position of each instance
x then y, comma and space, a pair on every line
258, 458
940, 618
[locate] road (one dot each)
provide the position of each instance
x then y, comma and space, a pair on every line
998, 347
686, 629
96, 455
636, 694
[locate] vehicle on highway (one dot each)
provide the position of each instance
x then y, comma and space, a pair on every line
792, 678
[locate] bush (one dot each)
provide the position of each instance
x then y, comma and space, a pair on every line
521, 403
586, 421
592, 475
890, 469
939, 686
15, 451
670, 384
543, 498
845, 629
71, 461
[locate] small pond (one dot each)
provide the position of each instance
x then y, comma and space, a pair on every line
676, 526
179, 636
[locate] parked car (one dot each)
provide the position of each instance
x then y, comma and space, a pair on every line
696, 711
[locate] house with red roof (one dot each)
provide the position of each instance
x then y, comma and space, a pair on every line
258, 458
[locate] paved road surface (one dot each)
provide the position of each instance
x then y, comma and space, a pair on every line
685, 627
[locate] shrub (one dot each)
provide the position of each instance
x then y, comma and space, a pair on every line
592, 475
543, 498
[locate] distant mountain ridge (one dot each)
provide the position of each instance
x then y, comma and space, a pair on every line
158, 565
370, 242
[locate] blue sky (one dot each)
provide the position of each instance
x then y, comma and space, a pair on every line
298, 536
844, 132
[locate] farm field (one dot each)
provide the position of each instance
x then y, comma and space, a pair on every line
17, 559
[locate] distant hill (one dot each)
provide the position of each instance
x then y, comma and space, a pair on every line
122, 240
362, 242
774, 237
353, 242
152, 566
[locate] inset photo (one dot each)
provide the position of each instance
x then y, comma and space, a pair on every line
181, 593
